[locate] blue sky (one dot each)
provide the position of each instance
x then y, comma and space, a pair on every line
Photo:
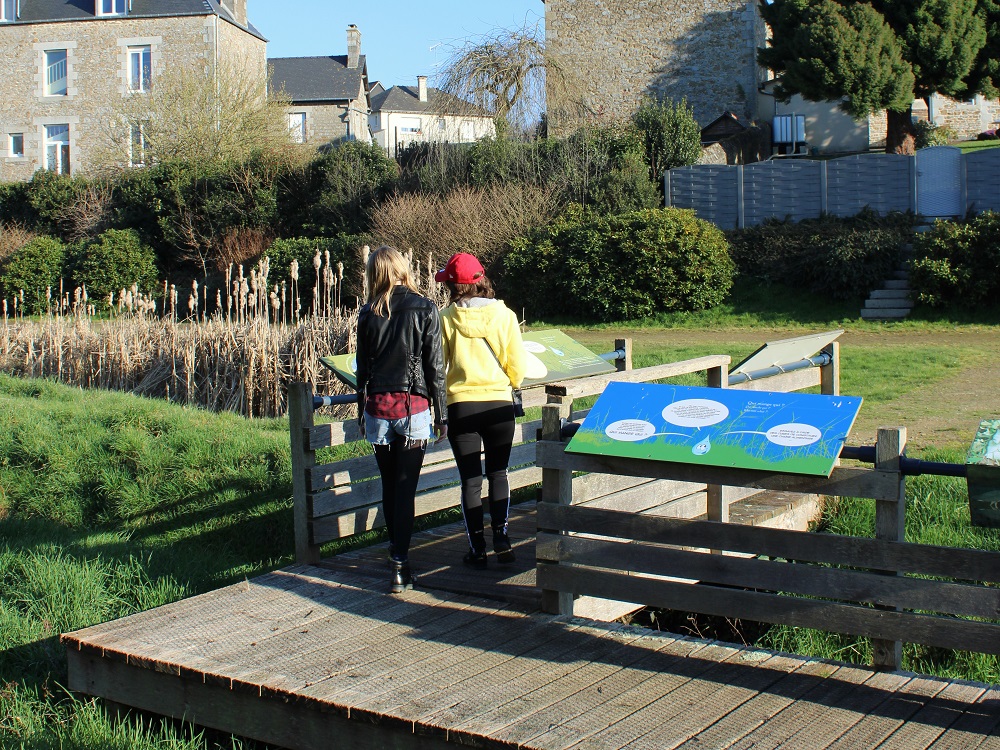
396, 36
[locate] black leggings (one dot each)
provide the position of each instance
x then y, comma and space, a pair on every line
472, 427
400, 469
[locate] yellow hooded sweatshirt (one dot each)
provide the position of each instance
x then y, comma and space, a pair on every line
474, 374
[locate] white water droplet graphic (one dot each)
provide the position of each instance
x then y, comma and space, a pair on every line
702, 448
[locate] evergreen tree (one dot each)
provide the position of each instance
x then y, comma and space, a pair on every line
880, 55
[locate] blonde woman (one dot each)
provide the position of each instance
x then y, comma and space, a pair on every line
486, 359
400, 380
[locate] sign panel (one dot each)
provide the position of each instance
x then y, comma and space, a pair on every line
983, 464
795, 433
785, 351
552, 356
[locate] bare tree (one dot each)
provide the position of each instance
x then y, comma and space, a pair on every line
507, 73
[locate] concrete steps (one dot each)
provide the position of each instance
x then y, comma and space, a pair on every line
892, 301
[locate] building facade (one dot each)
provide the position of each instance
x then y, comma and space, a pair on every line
66, 61
329, 95
703, 51
402, 115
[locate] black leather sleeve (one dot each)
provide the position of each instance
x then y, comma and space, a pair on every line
432, 357
362, 374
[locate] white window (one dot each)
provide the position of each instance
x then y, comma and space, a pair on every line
15, 144
409, 124
441, 123
8, 10
55, 72
467, 131
110, 7
137, 145
140, 68
297, 126
57, 148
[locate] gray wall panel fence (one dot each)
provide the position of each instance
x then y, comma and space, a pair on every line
742, 196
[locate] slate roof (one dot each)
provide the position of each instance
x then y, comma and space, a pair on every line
407, 99
41, 11
317, 79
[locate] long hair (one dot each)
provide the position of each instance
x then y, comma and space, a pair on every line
386, 268
482, 288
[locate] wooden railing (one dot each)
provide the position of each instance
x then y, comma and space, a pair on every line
770, 575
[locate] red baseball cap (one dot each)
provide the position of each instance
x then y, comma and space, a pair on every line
462, 268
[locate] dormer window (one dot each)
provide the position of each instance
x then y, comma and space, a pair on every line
8, 10
111, 7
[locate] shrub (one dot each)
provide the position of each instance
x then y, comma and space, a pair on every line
13, 237
956, 263
116, 260
929, 134
632, 265
343, 248
842, 258
35, 268
670, 134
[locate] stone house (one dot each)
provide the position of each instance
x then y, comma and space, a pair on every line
329, 95
62, 59
402, 115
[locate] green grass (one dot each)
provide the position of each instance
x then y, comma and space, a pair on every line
968, 146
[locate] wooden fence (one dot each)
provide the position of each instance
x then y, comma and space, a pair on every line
858, 586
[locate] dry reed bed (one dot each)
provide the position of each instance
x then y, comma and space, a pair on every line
240, 366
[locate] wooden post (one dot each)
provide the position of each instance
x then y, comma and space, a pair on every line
300, 419
830, 374
625, 345
557, 487
716, 502
890, 523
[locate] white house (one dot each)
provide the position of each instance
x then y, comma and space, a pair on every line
403, 115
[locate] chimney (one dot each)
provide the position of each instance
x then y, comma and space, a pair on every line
240, 12
422, 88
353, 46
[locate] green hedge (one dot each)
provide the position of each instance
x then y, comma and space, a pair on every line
589, 266
116, 260
843, 258
956, 263
34, 269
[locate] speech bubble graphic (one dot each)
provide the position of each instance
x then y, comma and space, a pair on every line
353, 364
793, 435
695, 412
535, 368
534, 347
630, 430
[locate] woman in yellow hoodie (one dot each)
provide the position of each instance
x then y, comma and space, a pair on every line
485, 359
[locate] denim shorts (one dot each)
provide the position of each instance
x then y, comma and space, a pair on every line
379, 431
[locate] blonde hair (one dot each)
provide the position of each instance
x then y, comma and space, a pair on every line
386, 268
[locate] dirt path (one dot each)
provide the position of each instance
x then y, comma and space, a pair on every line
941, 414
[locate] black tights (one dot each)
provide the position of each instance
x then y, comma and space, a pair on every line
399, 466
474, 427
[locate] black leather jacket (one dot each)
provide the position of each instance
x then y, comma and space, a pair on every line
402, 353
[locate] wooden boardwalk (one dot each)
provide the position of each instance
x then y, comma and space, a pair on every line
318, 657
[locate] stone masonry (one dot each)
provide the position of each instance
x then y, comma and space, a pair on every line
97, 57
700, 50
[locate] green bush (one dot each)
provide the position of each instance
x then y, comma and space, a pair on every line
670, 135
35, 268
343, 248
929, 134
843, 258
116, 260
956, 263
590, 266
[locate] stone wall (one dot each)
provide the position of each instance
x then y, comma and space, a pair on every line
618, 50
97, 75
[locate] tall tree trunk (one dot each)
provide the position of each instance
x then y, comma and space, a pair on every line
900, 136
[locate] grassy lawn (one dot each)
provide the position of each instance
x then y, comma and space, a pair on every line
968, 146
111, 504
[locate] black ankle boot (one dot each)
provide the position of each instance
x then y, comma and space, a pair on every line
498, 520
476, 559
402, 578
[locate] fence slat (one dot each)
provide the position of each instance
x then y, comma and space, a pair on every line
854, 619
834, 549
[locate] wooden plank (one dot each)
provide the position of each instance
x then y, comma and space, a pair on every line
977, 728
595, 384
557, 488
835, 549
334, 433
808, 580
276, 722
807, 613
650, 493
934, 717
890, 524
357, 520
842, 482
300, 419
590, 487
786, 382
443, 474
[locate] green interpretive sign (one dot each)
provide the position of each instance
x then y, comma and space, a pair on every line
552, 356
794, 433
983, 466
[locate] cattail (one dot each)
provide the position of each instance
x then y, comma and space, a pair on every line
293, 270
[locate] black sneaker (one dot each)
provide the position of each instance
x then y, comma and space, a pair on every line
501, 545
475, 559
402, 578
